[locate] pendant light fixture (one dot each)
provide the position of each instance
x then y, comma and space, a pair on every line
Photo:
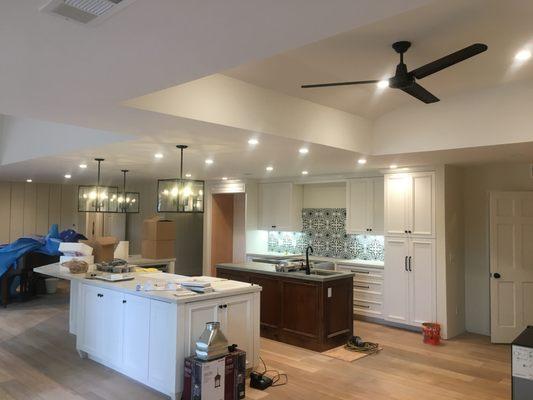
98, 198
180, 195
128, 202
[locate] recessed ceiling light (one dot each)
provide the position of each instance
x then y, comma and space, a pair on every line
304, 172
269, 168
188, 175
209, 161
253, 142
393, 166
158, 155
83, 166
383, 84
29, 180
224, 178
68, 176
303, 150
361, 161
523, 55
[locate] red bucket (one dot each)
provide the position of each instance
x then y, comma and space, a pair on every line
431, 332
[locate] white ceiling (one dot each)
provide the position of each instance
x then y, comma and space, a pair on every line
365, 53
56, 70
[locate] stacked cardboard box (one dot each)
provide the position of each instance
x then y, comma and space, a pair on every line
159, 236
103, 248
220, 379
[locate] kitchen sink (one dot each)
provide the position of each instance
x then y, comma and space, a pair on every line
319, 272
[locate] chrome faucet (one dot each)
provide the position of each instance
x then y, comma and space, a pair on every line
307, 265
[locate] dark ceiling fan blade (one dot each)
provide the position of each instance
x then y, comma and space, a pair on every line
315, 85
449, 60
420, 93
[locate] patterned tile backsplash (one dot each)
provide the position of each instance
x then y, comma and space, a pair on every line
325, 230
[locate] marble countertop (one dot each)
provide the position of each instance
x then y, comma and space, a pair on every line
352, 262
222, 287
270, 269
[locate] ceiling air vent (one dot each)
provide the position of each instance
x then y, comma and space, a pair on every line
85, 11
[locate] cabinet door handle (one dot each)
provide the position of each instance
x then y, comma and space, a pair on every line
225, 306
124, 301
405, 264
361, 286
410, 270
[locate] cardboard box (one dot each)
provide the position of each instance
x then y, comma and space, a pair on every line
103, 248
156, 228
198, 377
79, 248
156, 249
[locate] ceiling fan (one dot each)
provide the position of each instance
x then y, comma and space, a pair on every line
406, 80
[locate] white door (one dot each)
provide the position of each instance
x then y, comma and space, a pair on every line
236, 322
91, 326
359, 205
376, 206
197, 315
511, 264
112, 325
397, 189
396, 279
136, 311
421, 209
421, 266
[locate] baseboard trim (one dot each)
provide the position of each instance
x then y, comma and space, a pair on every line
382, 321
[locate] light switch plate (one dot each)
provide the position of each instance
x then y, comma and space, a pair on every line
330, 291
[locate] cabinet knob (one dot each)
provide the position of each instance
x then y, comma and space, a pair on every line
496, 275
124, 301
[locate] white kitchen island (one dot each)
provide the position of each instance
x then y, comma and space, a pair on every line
147, 334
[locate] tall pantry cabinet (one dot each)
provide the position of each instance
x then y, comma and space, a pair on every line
409, 225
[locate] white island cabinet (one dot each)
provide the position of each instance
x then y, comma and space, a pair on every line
147, 335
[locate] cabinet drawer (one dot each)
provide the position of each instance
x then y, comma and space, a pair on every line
366, 295
363, 273
370, 308
363, 286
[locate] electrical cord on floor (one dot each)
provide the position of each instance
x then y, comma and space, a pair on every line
277, 375
355, 343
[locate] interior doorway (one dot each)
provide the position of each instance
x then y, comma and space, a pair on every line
228, 240
511, 264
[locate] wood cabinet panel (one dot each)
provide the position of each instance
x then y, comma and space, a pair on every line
301, 308
270, 303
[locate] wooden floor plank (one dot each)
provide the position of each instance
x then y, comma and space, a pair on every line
38, 361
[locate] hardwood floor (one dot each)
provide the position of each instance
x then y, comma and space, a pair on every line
38, 361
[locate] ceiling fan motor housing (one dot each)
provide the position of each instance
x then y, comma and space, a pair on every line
402, 79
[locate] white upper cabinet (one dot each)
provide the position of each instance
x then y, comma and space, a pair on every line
280, 206
364, 205
410, 204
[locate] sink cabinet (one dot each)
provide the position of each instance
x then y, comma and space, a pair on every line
316, 315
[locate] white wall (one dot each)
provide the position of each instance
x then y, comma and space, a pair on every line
488, 117
478, 181
30, 208
455, 270
324, 195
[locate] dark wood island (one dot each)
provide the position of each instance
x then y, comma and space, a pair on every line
310, 311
